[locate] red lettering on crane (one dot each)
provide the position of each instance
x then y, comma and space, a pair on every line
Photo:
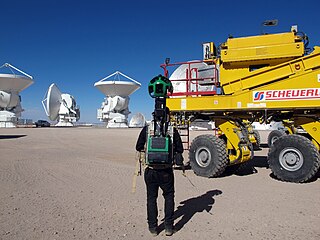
287, 94
310, 92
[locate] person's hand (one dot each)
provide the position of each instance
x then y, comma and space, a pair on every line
178, 159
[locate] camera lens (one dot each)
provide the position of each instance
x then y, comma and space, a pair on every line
159, 88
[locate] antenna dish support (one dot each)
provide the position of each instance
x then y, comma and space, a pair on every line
8, 65
120, 73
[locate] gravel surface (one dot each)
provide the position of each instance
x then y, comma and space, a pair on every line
76, 183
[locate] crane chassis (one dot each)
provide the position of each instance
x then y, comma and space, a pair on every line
270, 77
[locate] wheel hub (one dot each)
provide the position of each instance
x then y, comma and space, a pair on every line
273, 140
291, 159
203, 157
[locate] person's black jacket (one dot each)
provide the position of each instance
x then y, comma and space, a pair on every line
177, 143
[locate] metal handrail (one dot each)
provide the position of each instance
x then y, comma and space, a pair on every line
196, 80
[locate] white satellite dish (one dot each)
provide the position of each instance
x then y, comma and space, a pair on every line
12, 82
117, 87
10, 101
193, 70
53, 102
60, 106
115, 108
137, 121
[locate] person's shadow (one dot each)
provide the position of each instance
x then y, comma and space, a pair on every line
191, 206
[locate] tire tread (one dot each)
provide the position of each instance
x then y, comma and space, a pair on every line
221, 162
301, 141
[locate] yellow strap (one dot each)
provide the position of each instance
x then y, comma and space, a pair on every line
137, 172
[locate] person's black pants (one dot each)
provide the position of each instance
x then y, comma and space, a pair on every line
155, 178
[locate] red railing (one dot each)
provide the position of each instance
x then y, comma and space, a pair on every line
194, 82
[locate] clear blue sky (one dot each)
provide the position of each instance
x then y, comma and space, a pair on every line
76, 43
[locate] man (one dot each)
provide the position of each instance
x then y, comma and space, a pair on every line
160, 176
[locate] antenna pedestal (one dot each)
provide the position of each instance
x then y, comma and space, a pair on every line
117, 120
64, 123
10, 109
113, 119
114, 112
8, 119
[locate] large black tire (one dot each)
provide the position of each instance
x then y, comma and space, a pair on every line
258, 139
294, 158
208, 156
274, 135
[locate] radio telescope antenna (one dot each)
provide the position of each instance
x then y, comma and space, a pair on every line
10, 101
114, 109
60, 106
137, 121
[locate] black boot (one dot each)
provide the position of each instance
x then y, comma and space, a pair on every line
153, 231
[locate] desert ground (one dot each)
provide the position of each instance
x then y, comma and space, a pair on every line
76, 183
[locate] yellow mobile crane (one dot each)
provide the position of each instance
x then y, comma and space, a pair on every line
246, 79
